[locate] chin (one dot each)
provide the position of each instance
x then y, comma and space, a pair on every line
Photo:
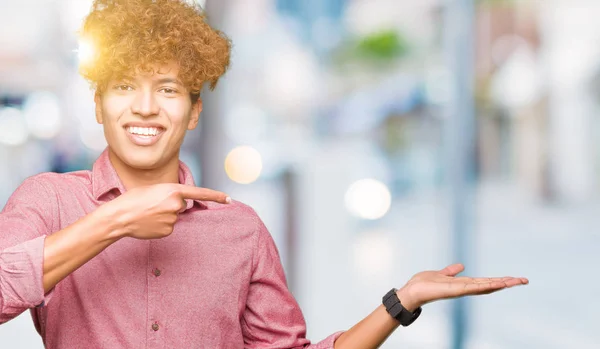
139, 159
142, 161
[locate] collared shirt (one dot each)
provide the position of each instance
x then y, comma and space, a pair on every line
215, 282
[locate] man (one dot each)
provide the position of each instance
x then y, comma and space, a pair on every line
132, 254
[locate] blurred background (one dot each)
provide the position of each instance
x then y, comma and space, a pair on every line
376, 139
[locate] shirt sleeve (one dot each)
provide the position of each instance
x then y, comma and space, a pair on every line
272, 318
25, 222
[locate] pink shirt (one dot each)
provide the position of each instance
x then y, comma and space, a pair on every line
216, 282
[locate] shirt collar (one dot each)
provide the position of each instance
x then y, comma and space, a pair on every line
105, 179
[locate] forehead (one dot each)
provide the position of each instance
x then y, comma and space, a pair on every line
153, 72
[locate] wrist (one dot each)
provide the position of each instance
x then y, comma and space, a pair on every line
407, 299
114, 221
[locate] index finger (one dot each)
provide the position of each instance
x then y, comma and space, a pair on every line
204, 194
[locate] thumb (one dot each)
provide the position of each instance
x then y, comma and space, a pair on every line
453, 269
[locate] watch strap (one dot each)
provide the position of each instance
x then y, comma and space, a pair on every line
395, 308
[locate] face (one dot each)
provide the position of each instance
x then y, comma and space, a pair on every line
145, 117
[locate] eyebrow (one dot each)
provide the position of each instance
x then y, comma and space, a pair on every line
169, 80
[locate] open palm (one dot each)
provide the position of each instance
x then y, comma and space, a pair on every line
429, 286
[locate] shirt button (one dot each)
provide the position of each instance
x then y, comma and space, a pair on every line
156, 272
155, 327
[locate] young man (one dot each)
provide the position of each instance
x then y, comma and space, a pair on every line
132, 254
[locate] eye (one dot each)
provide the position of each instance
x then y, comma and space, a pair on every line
168, 90
123, 88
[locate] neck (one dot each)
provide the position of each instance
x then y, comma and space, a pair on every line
134, 177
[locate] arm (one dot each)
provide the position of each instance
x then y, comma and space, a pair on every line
371, 332
142, 213
25, 221
273, 318
33, 259
423, 288
70, 248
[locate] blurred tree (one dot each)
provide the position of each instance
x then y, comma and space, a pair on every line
384, 45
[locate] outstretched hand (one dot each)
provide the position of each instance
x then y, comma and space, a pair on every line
430, 286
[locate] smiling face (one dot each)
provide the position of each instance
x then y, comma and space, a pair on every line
145, 117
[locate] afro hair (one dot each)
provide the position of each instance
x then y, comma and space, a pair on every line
132, 36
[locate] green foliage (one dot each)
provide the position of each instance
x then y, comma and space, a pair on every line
384, 45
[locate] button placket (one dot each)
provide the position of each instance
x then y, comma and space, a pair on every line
156, 325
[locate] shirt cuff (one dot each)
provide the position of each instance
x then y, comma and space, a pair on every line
327, 343
21, 276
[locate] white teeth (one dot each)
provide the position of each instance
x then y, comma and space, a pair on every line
143, 131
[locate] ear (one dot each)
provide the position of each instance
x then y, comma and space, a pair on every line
98, 101
195, 114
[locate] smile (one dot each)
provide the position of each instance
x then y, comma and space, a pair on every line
143, 131
144, 136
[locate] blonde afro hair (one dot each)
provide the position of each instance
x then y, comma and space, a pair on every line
132, 36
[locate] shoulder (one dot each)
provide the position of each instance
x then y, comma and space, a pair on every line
239, 217
243, 210
246, 214
48, 185
57, 182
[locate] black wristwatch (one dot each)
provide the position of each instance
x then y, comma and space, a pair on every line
397, 311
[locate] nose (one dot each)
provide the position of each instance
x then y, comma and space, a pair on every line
145, 104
